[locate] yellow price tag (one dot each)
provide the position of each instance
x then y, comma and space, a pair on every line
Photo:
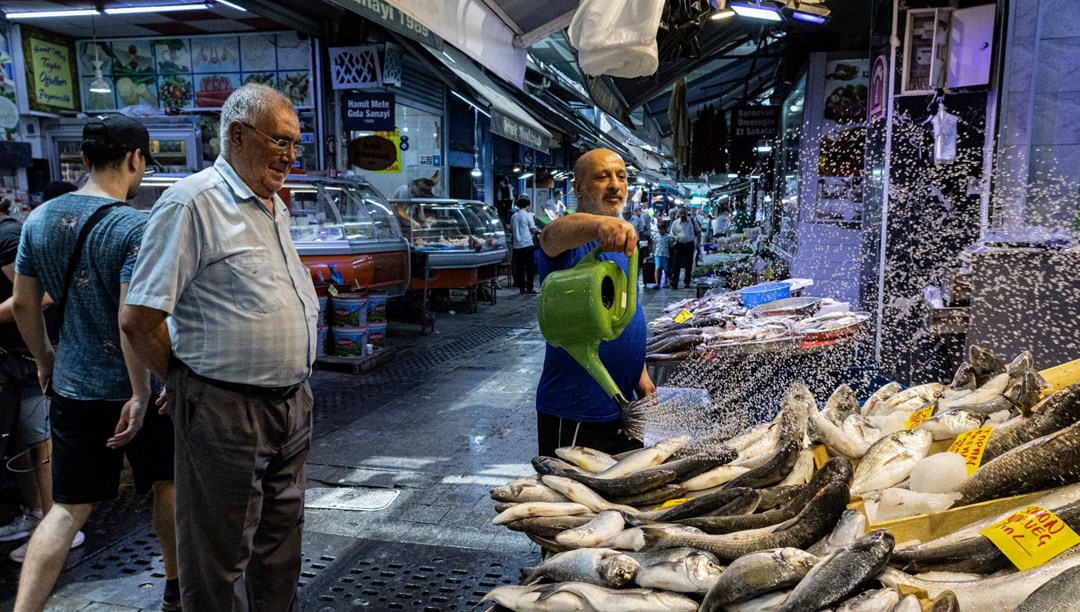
332, 290
970, 445
1031, 537
671, 503
920, 416
683, 316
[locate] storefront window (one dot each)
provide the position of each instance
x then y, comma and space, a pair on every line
420, 137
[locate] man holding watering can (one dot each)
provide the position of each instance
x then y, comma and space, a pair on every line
572, 407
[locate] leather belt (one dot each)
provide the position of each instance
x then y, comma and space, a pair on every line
278, 393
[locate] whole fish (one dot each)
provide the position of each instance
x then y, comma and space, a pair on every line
525, 490
743, 504
1021, 393
572, 596
945, 602
890, 460
881, 395
850, 527
705, 504
840, 405
808, 526
835, 439
984, 364
860, 430
658, 495
998, 593
501, 507
953, 423
600, 566
758, 573
644, 458
600, 528
991, 391
1042, 463
758, 452
581, 494
715, 477
548, 526
634, 538
634, 484
682, 570
774, 470
776, 496
909, 603
1060, 594
975, 554
769, 602
795, 407
964, 379
531, 509
588, 459
752, 435
841, 574
1057, 411
802, 471
878, 600
916, 396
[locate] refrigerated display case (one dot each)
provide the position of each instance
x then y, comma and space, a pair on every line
175, 142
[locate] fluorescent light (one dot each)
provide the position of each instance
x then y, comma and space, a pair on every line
808, 17
747, 8
43, 14
807, 12
231, 5
722, 15
472, 104
641, 179
132, 10
764, 149
526, 175
732, 175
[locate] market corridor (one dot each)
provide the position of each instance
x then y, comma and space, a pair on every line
407, 451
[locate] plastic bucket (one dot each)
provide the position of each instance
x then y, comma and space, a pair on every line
350, 341
350, 310
320, 340
764, 293
376, 307
324, 300
377, 335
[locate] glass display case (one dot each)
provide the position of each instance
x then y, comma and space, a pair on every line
175, 143
453, 233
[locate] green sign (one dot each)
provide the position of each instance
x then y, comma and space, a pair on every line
50, 74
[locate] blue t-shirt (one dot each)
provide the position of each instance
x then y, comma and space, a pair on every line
89, 362
566, 390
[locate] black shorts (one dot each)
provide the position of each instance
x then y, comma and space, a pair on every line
84, 470
553, 432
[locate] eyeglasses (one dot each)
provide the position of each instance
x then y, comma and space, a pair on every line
281, 145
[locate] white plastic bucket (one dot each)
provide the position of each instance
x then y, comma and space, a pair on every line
377, 335
350, 341
350, 310
376, 307
320, 340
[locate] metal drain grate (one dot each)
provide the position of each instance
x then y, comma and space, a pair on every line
397, 576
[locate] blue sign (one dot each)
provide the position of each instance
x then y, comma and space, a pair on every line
368, 112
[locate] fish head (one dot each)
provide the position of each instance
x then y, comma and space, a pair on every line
1023, 362
702, 569
876, 540
505, 493
793, 557
617, 570
964, 379
917, 440
837, 469
983, 362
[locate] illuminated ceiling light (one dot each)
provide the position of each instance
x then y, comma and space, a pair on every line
231, 5
722, 11
810, 13
99, 84
765, 148
526, 175
132, 10
43, 14
517, 169
732, 175
641, 180
757, 9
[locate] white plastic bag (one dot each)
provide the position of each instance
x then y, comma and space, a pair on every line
617, 37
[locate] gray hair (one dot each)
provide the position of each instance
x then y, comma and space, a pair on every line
247, 104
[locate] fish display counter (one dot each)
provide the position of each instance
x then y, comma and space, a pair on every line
959, 495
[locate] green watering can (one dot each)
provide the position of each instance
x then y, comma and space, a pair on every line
580, 307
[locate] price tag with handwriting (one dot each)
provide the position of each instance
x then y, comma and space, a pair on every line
920, 416
1031, 537
970, 445
683, 316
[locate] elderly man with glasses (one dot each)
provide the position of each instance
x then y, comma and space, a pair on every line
217, 262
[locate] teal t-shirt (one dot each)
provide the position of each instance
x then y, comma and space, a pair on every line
89, 362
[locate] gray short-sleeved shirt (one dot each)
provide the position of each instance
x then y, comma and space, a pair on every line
89, 362
242, 306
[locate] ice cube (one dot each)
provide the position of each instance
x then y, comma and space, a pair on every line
939, 473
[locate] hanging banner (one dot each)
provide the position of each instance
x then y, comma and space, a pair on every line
50, 74
755, 122
511, 129
391, 18
367, 112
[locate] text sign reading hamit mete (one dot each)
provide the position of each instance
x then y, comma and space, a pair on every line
368, 112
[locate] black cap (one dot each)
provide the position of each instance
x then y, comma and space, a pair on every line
121, 132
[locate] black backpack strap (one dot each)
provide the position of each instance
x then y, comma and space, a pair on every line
91, 221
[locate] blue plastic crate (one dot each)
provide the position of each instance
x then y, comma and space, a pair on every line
757, 295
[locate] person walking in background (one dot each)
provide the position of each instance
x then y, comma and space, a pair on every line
81, 248
684, 234
523, 227
661, 240
237, 351
556, 204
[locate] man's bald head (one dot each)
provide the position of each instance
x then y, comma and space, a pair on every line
600, 182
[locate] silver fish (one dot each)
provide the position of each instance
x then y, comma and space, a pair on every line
1060, 594
600, 528
881, 395
1000, 593
715, 477
850, 527
644, 458
953, 423
916, 396
600, 566
769, 602
1057, 411
841, 404
839, 575
993, 390
775, 469
582, 494
890, 460
525, 490
964, 379
1044, 462
879, 600
574, 596
758, 573
548, 526
531, 509
634, 538
802, 471
835, 439
682, 570
588, 459
860, 430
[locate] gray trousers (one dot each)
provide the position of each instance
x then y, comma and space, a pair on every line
239, 495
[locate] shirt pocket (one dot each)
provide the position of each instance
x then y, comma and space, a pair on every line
251, 276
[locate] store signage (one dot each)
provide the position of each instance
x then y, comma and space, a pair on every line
1031, 537
511, 129
879, 83
50, 75
367, 112
970, 445
755, 122
373, 153
393, 19
606, 99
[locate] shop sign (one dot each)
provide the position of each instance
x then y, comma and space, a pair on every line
9, 112
50, 76
511, 129
879, 83
373, 153
606, 99
367, 111
393, 19
1031, 537
755, 122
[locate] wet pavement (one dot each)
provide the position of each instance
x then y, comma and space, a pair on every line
401, 463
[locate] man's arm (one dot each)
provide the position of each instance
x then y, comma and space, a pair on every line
570, 232
7, 314
146, 333
645, 385
131, 415
26, 306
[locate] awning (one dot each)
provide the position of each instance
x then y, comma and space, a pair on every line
508, 118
